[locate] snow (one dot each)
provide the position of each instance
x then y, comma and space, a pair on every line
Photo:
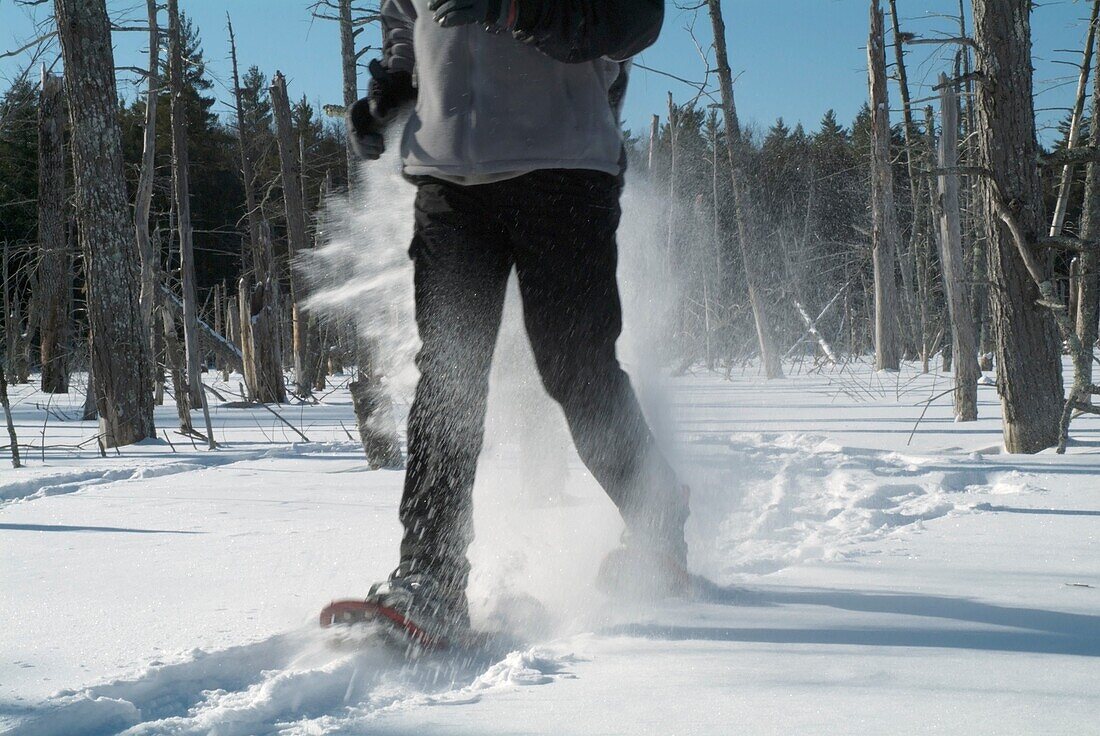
864, 577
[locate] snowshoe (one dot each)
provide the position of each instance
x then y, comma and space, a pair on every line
409, 612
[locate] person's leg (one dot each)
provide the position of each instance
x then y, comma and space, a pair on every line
462, 262
566, 258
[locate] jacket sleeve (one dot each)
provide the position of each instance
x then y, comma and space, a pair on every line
576, 31
397, 18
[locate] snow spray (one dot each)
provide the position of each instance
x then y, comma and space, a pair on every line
542, 524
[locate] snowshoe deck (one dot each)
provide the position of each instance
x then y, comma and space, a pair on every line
397, 628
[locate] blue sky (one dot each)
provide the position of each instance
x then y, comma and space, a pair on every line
793, 58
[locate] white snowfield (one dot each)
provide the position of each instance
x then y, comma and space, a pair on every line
860, 583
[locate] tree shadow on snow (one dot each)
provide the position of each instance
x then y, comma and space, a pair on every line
985, 640
65, 528
1001, 628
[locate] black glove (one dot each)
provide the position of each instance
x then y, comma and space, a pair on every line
365, 131
449, 13
386, 93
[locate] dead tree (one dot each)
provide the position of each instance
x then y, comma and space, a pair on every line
673, 140
182, 187
915, 316
654, 128
1061, 204
16, 337
244, 319
974, 209
319, 329
6, 306
349, 66
884, 225
1028, 351
144, 196
289, 167
6, 404
1088, 297
965, 343
120, 352
55, 278
769, 355
258, 297
175, 362
927, 270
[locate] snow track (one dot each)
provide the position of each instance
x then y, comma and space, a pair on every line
776, 501
56, 484
291, 684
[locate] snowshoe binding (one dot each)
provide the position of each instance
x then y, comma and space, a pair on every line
410, 612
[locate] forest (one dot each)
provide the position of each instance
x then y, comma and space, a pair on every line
883, 234
840, 406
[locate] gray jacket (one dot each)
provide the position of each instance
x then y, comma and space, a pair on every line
492, 104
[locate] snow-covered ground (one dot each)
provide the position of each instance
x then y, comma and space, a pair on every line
866, 578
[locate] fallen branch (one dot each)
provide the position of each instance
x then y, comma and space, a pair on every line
925, 411
284, 421
227, 349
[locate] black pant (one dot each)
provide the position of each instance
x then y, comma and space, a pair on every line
557, 228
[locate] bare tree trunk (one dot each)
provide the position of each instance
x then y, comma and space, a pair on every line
232, 321
222, 325
21, 338
159, 352
319, 329
716, 220
182, 186
928, 270
915, 318
1088, 296
350, 71
244, 309
654, 128
289, 167
769, 355
673, 139
174, 358
884, 229
975, 214
144, 197
120, 352
1066, 185
5, 300
55, 277
260, 343
1028, 348
965, 344
6, 404
678, 326
267, 321
15, 333
91, 401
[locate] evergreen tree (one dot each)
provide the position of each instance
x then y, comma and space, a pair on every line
19, 164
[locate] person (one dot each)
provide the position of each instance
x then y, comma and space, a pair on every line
515, 145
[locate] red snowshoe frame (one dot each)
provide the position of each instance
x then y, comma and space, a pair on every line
348, 612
